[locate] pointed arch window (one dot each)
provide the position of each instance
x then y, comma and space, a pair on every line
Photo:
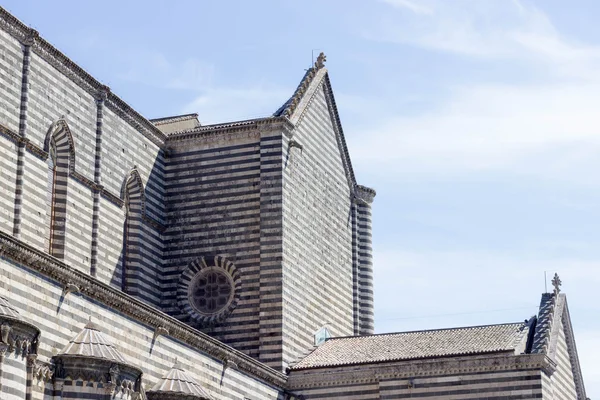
133, 207
50, 184
59, 144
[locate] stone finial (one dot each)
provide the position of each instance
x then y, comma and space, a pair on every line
91, 325
556, 282
320, 63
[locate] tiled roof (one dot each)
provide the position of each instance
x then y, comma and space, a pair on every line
415, 345
179, 382
7, 309
92, 343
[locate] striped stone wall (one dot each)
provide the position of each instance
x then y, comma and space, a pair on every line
13, 377
560, 385
35, 209
60, 318
363, 258
11, 60
213, 196
89, 218
317, 233
504, 385
53, 96
506, 378
8, 174
271, 250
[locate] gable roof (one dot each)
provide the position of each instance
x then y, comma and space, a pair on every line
417, 345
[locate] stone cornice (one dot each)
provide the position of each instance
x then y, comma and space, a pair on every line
231, 128
365, 373
173, 119
364, 194
58, 60
63, 274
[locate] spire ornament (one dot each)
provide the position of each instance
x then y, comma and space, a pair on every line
320, 63
556, 282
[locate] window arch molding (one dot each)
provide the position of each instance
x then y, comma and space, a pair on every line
60, 147
133, 188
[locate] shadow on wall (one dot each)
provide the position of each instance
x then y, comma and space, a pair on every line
139, 268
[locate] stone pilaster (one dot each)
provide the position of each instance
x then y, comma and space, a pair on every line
21, 144
364, 322
100, 99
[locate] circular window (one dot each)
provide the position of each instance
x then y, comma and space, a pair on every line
209, 290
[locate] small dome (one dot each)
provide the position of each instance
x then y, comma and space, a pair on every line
92, 343
179, 382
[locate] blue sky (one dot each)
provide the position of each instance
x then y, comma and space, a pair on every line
475, 120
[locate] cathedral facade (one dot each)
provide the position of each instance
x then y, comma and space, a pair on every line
166, 259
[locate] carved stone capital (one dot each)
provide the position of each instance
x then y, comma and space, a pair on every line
102, 94
364, 194
31, 37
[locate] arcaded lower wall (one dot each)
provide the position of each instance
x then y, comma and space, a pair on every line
39, 300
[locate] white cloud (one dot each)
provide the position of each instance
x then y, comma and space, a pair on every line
490, 127
549, 128
154, 69
220, 104
414, 6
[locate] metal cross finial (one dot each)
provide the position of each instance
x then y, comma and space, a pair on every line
556, 282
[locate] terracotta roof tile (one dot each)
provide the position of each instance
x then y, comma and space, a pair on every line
415, 345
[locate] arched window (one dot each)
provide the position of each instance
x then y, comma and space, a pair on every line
133, 204
59, 144
51, 190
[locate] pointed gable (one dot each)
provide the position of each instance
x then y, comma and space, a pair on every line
316, 80
554, 337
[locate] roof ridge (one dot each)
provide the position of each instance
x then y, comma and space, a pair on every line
425, 330
173, 118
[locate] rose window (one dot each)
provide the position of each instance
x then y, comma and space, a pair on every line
212, 291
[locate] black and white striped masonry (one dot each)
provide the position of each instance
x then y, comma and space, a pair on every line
225, 247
